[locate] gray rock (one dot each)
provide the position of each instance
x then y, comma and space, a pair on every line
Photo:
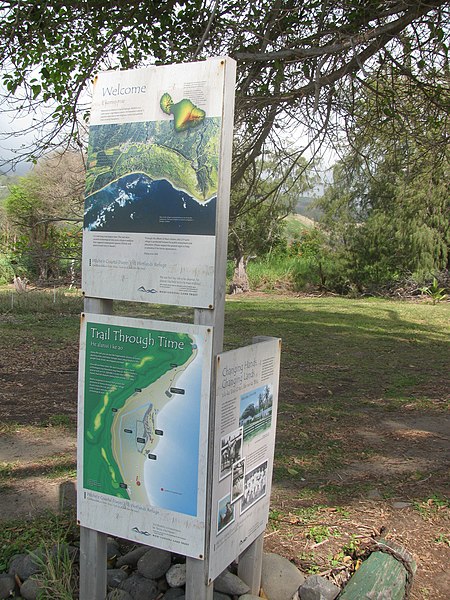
155, 563
140, 587
176, 576
30, 589
114, 577
230, 584
119, 595
112, 549
249, 597
7, 586
30, 565
174, 593
163, 586
131, 558
216, 596
318, 588
374, 494
14, 563
401, 504
280, 578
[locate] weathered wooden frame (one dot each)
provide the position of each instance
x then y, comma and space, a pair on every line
93, 543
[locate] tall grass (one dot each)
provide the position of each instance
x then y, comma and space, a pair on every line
272, 272
53, 301
59, 574
295, 273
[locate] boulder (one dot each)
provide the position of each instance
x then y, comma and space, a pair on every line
154, 563
176, 576
114, 577
228, 583
140, 587
280, 579
119, 595
30, 565
30, 588
318, 588
174, 593
131, 558
7, 586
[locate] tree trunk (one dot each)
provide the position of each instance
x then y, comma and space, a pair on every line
240, 282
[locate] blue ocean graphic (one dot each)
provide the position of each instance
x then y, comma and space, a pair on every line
137, 204
172, 479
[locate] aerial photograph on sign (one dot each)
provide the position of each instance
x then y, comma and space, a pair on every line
142, 404
155, 176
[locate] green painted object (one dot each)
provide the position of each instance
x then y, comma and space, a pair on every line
381, 576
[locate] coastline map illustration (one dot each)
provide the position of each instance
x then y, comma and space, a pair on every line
142, 402
155, 176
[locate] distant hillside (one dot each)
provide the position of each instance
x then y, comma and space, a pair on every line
304, 208
295, 225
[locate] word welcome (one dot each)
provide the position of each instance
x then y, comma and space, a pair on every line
119, 90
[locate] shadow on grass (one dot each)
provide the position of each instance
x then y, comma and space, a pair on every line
363, 392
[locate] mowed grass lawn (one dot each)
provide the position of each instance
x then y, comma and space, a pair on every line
345, 364
363, 417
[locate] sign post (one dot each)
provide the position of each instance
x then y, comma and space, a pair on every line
155, 230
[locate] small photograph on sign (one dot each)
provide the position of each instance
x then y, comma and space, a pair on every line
237, 480
230, 451
225, 513
256, 411
255, 486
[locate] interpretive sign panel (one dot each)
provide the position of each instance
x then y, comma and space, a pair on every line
143, 425
245, 422
152, 184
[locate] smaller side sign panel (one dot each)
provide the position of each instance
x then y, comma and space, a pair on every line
245, 423
143, 406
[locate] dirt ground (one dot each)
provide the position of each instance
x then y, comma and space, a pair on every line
409, 456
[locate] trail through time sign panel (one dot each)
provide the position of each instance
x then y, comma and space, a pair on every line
245, 424
143, 414
152, 184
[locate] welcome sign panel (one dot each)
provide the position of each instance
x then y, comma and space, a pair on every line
143, 419
152, 184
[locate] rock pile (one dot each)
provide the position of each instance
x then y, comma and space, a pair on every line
143, 573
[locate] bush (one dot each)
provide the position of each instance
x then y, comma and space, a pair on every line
6, 270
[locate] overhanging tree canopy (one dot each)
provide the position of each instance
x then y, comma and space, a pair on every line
296, 59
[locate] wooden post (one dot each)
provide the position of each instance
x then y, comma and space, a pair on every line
250, 565
93, 543
197, 585
92, 564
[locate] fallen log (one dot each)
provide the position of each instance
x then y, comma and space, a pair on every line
387, 574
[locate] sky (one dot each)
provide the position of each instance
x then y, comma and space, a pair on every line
8, 125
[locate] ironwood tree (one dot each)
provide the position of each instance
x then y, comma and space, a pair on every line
387, 210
